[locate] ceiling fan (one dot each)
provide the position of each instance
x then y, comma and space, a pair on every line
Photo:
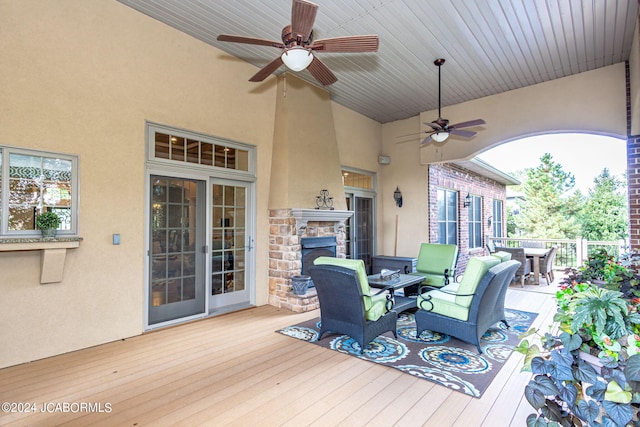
299, 48
440, 128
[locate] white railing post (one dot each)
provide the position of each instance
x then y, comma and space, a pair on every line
579, 251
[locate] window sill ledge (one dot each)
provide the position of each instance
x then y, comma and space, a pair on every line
53, 253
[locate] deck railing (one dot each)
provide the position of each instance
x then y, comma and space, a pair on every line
571, 253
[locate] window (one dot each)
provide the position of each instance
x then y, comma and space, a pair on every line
447, 217
32, 182
475, 222
497, 218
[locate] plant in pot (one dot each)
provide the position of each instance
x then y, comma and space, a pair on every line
48, 223
566, 389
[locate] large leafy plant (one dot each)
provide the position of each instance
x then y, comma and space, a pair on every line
568, 391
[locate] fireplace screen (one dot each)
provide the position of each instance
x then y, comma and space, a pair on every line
314, 247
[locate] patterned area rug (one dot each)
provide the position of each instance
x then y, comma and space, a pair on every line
433, 356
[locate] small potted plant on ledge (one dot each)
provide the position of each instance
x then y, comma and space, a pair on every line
48, 223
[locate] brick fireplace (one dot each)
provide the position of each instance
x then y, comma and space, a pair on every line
286, 229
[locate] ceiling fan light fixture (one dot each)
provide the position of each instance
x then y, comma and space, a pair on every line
297, 58
440, 136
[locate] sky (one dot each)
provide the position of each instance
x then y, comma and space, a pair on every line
584, 155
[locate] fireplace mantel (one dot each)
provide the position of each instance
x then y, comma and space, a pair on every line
303, 216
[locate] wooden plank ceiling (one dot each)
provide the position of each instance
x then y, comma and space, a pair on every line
491, 46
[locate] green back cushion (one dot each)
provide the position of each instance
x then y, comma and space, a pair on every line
374, 306
502, 255
477, 267
434, 258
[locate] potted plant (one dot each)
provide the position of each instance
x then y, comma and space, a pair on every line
591, 320
48, 223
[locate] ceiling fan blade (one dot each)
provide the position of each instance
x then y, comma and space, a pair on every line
321, 72
249, 40
303, 15
461, 132
347, 44
267, 70
425, 141
434, 126
470, 123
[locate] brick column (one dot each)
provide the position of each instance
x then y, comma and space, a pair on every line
633, 189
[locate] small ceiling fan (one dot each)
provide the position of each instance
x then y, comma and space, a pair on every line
440, 128
299, 48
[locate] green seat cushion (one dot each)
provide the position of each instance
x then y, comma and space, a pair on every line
374, 306
444, 303
502, 255
477, 267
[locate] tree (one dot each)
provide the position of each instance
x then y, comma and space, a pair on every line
543, 213
604, 215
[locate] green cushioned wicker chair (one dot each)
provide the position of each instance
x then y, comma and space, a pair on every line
467, 309
437, 263
375, 305
341, 293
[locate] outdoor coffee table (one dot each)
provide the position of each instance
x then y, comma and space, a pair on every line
402, 281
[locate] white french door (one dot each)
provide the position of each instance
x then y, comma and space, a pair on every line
231, 243
177, 262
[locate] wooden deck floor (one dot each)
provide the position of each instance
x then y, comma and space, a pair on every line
234, 370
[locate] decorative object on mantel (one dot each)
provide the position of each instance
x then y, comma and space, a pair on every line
48, 223
323, 201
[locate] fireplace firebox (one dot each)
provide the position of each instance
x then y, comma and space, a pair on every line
314, 247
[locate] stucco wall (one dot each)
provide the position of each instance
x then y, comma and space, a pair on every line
81, 77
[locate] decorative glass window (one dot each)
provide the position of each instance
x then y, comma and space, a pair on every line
447, 217
33, 182
475, 222
359, 180
497, 218
196, 149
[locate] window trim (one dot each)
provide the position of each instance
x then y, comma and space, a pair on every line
474, 223
447, 220
495, 224
211, 170
6, 152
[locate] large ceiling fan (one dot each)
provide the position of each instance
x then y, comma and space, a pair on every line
299, 48
440, 128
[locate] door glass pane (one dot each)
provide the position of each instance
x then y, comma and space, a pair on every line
173, 259
228, 239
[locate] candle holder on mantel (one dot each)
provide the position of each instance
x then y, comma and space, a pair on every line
323, 201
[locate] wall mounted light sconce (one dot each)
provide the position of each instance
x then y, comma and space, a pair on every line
397, 196
489, 221
467, 201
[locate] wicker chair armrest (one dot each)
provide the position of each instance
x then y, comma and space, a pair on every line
427, 298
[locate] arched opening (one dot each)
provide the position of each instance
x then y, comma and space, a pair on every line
573, 187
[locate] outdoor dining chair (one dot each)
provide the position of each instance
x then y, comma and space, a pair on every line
523, 272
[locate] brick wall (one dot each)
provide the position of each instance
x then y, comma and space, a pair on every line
454, 178
633, 184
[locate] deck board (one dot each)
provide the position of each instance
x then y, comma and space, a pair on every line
235, 370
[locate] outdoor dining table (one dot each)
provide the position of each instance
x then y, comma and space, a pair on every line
535, 254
